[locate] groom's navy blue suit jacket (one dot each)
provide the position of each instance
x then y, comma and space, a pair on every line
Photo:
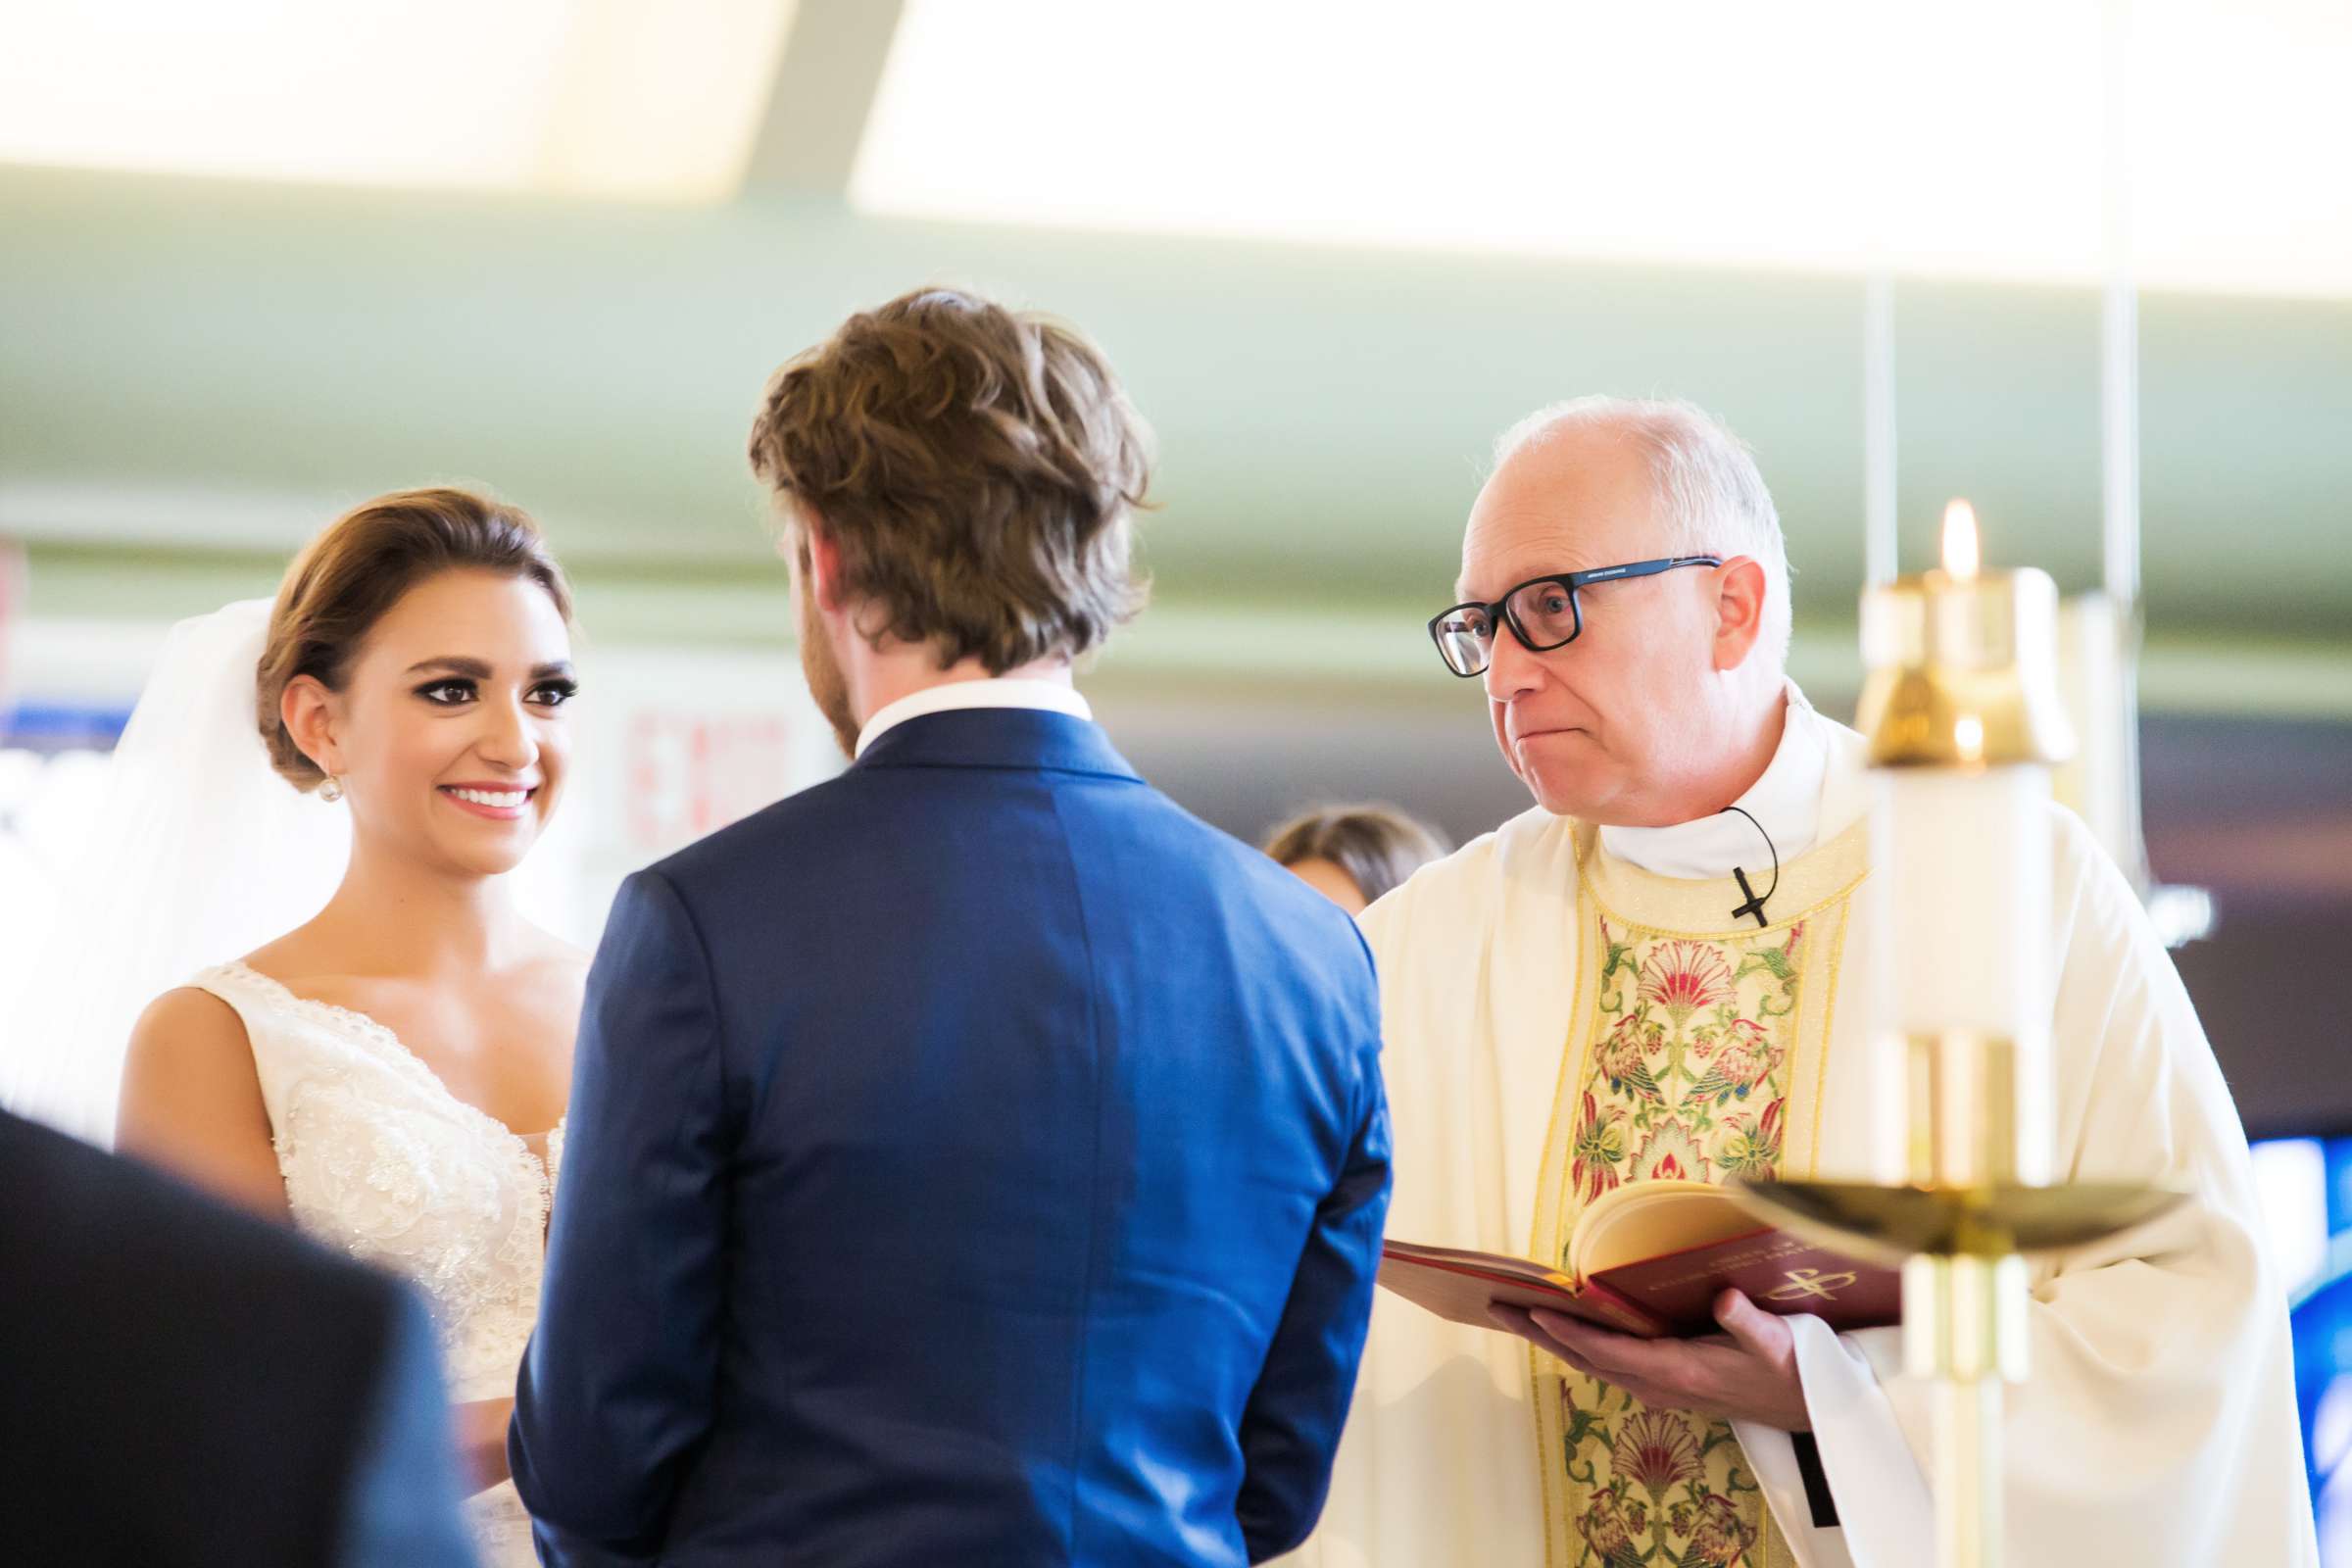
972, 1160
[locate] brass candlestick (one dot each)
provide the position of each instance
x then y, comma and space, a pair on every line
1961, 687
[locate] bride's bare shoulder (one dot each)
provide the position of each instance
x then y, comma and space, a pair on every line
191, 1014
192, 1101
186, 1038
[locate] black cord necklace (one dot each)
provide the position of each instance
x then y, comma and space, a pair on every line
1755, 900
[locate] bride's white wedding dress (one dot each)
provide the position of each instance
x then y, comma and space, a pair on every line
383, 1162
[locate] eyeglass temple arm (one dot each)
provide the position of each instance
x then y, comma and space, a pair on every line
1640, 568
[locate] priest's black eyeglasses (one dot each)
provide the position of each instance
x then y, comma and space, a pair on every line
1542, 612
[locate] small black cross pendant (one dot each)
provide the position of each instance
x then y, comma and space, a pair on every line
1754, 905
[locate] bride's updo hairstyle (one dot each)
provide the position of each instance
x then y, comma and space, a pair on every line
359, 568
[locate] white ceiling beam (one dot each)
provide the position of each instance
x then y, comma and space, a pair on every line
824, 90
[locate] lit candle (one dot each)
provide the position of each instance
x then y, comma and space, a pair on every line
1963, 720
1961, 736
1961, 551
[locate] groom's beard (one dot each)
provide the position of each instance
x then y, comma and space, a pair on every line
825, 681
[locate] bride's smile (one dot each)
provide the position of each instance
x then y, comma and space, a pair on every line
490, 800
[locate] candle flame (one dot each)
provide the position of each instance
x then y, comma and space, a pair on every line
1961, 556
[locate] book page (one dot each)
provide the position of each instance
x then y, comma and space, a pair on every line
1649, 1219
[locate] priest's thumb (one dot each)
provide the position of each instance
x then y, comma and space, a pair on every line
1751, 1327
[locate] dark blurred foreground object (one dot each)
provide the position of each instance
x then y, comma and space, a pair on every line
183, 1387
1370, 848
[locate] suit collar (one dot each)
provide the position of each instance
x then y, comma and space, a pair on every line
1058, 697
997, 737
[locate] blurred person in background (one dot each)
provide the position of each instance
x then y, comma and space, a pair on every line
1354, 854
978, 1158
390, 1074
183, 1386
1591, 996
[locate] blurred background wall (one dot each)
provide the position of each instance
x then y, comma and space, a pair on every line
260, 261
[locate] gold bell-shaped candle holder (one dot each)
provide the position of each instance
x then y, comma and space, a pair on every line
1962, 712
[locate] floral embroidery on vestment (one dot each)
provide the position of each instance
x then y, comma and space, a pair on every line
1687, 1079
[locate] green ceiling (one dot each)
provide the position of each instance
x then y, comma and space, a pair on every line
1322, 412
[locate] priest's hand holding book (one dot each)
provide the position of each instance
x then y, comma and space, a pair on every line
1749, 1374
1671, 1290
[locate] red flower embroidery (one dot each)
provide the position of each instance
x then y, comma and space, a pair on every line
1750, 1146
1683, 977
1656, 1450
1599, 1148
1671, 1154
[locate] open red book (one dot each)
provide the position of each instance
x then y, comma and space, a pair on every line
1649, 1260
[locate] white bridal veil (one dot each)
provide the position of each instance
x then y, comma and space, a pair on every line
190, 852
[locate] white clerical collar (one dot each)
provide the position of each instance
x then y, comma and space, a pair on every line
1050, 696
1786, 800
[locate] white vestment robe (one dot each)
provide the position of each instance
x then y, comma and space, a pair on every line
2158, 1424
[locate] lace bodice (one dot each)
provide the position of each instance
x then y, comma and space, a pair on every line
383, 1162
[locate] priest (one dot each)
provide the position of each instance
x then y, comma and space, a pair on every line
1657, 972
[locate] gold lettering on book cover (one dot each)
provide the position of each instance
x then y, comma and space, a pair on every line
1811, 1284
1697, 1055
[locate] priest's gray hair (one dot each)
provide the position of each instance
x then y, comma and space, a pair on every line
1711, 499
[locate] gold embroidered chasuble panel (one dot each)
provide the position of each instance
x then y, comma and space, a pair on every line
1696, 1051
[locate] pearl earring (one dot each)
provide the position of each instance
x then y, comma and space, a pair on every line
332, 789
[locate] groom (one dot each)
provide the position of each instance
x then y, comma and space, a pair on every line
973, 1160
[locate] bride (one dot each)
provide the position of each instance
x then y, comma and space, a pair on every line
390, 1076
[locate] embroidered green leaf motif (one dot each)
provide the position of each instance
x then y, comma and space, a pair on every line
1620, 956
1581, 1425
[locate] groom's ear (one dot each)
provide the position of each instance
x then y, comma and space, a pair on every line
307, 708
819, 563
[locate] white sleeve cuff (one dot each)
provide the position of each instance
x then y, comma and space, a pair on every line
1885, 1511
1772, 1458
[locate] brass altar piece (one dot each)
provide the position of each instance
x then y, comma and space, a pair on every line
1962, 677
1889, 1225
1961, 671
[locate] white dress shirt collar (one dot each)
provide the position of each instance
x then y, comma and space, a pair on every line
1049, 696
1786, 800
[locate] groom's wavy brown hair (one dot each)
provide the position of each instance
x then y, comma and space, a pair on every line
358, 568
975, 469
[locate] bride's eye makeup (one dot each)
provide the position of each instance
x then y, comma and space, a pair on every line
550, 684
